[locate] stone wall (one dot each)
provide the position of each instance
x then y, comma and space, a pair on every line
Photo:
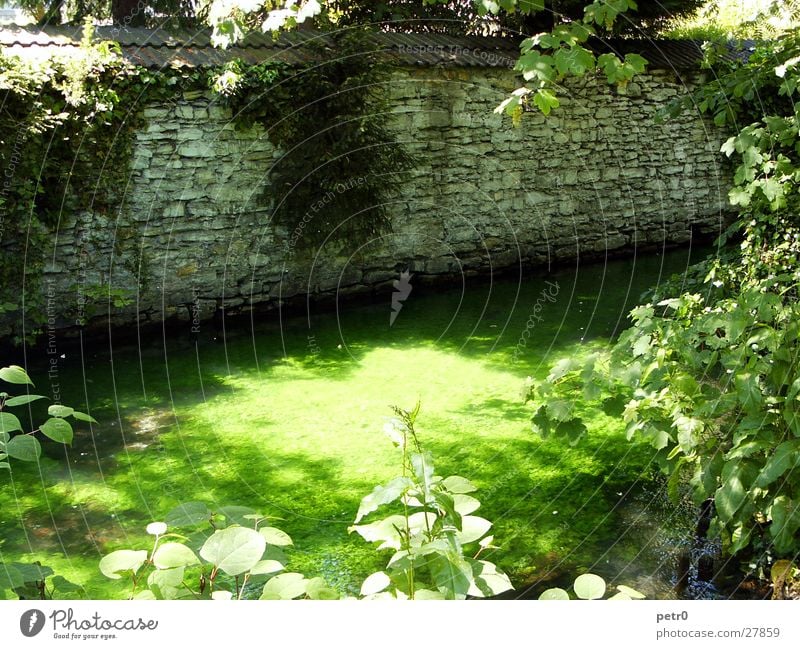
194, 232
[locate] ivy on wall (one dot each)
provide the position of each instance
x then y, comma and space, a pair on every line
67, 126
340, 163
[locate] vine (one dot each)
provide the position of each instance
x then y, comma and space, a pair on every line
340, 163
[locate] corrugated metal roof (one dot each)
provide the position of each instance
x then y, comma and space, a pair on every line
157, 49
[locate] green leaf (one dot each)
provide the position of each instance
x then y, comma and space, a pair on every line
22, 400
554, 594
237, 515
589, 586
382, 496
267, 567
234, 550
384, 530
317, 588
785, 458
545, 101
630, 592
574, 430
733, 492
174, 555
58, 430
785, 514
188, 515
66, 587
24, 447
472, 528
487, 579
287, 586
274, 536
455, 484
9, 423
375, 583
15, 374
82, 416
465, 504
562, 368
748, 390
451, 573
10, 577
112, 565
57, 410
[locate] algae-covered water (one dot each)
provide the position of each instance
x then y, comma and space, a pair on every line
286, 416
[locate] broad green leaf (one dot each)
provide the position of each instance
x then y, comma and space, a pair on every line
267, 567
733, 492
274, 536
425, 594
545, 101
630, 592
455, 484
375, 583
451, 573
58, 430
167, 584
82, 416
785, 514
234, 550
554, 594
487, 579
465, 504
287, 586
10, 577
317, 588
188, 514
9, 423
574, 430
384, 530
472, 529
66, 587
112, 565
24, 447
22, 400
785, 458
562, 368
589, 586
237, 515
15, 374
57, 410
382, 495
156, 528
221, 595
174, 555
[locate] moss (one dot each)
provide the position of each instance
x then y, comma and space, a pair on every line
264, 422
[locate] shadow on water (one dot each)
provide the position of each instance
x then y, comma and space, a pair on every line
248, 419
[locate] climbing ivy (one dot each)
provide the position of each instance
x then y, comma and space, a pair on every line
340, 164
66, 127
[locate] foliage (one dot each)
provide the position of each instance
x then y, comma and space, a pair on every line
56, 115
28, 579
590, 586
431, 533
330, 121
709, 377
728, 19
223, 555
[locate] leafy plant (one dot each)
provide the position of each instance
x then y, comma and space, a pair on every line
591, 586
227, 553
28, 580
431, 532
340, 165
